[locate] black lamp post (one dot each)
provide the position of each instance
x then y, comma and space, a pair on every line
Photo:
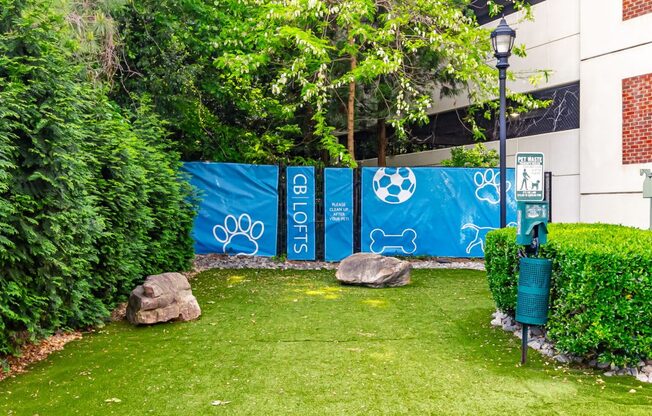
502, 39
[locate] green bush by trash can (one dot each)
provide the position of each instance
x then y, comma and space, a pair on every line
533, 291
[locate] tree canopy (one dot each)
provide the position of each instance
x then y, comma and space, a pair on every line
281, 80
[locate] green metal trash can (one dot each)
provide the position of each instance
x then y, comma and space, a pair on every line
533, 291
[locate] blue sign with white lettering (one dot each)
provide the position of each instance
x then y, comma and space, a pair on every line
301, 213
431, 211
338, 213
238, 213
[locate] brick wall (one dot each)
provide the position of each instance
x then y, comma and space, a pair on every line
635, 8
637, 119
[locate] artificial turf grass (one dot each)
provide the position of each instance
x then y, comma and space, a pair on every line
280, 343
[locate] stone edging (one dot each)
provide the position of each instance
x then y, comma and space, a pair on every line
538, 341
205, 262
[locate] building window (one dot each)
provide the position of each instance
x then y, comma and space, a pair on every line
448, 129
637, 119
636, 8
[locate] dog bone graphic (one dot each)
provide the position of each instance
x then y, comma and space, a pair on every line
405, 241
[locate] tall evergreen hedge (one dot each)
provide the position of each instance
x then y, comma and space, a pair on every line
90, 197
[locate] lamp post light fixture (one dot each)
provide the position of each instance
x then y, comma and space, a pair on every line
502, 39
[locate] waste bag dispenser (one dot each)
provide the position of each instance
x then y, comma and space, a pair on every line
532, 223
535, 273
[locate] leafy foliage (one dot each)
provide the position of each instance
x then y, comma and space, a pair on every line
89, 196
219, 107
601, 296
267, 80
477, 156
405, 54
95, 31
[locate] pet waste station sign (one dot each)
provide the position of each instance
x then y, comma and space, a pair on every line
529, 177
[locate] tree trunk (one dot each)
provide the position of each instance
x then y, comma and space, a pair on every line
350, 111
382, 142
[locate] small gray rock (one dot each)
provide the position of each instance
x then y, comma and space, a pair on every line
562, 358
609, 373
548, 352
536, 332
536, 345
603, 366
647, 369
373, 270
643, 377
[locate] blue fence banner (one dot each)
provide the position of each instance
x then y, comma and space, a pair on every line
238, 213
338, 213
300, 213
432, 211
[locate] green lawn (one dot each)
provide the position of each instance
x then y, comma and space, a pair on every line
297, 343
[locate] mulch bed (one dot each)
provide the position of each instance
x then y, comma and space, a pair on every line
32, 353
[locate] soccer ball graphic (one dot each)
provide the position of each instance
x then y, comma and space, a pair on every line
394, 185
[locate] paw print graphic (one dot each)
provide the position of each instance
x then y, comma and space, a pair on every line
488, 186
239, 236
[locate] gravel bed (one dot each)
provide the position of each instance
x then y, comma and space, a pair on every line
220, 261
538, 341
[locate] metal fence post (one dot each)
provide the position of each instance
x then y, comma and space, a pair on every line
547, 192
319, 214
357, 210
281, 236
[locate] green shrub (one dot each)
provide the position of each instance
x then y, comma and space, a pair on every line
479, 156
90, 200
601, 293
501, 262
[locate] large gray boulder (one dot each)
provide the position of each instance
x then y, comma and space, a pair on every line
163, 297
373, 270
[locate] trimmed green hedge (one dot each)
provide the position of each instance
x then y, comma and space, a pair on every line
601, 293
90, 196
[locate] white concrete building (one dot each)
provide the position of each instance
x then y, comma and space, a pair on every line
601, 49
